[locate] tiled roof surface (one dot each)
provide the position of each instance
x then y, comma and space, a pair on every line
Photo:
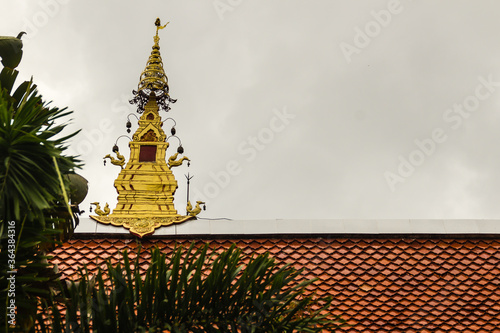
379, 285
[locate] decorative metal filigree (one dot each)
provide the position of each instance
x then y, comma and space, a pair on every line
141, 226
150, 136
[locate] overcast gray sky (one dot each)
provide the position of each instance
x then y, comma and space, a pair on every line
288, 109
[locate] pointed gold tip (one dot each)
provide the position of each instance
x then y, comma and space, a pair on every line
153, 79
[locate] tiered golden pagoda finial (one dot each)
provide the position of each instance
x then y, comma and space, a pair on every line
153, 78
146, 185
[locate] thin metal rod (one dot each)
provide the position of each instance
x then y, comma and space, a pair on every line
133, 114
175, 124
174, 136
188, 179
121, 136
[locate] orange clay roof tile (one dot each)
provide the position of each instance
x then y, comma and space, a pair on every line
378, 285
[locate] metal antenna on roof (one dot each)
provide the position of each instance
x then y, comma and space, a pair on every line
188, 179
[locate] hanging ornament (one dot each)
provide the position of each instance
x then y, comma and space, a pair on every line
129, 125
180, 150
115, 148
90, 208
204, 207
104, 162
173, 131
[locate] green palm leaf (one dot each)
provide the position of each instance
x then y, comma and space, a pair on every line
198, 291
32, 147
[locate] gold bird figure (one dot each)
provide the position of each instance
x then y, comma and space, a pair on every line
173, 163
99, 211
120, 161
196, 210
159, 26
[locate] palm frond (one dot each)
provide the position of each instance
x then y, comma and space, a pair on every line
197, 291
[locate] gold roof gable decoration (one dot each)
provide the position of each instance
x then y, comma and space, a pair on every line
146, 184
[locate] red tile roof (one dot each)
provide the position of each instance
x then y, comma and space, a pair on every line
379, 285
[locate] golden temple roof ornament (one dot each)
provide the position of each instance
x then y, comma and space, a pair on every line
146, 185
153, 79
194, 211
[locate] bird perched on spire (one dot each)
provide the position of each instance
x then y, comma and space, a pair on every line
11, 50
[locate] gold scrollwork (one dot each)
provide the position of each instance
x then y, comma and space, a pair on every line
141, 226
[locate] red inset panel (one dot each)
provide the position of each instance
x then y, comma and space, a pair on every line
147, 153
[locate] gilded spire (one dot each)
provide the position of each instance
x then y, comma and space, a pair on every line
146, 184
153, 80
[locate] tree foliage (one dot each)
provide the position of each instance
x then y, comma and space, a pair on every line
32, 194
